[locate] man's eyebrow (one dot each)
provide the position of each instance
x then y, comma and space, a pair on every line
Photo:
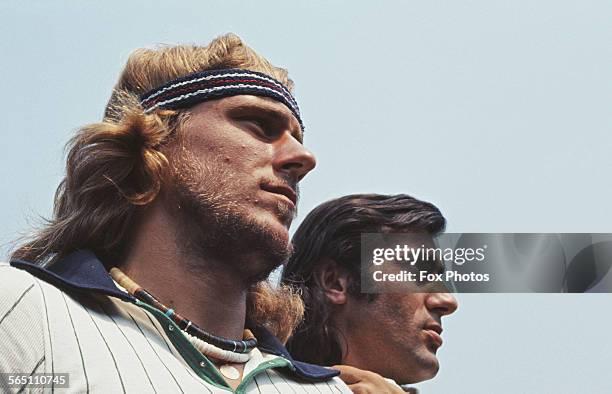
271, 112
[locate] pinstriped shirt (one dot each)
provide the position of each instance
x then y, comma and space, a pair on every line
113, 344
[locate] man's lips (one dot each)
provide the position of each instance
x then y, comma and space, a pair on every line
434, 327
434, 332
282, 190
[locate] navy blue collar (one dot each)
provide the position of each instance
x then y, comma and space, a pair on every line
83, 272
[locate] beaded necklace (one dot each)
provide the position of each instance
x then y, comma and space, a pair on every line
208, 344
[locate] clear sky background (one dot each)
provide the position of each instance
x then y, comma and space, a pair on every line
499, 112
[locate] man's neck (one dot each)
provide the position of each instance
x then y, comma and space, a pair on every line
202, 290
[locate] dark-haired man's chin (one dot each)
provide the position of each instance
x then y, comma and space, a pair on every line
428, 370
416, 370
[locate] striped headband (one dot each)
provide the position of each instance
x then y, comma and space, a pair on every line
192, 89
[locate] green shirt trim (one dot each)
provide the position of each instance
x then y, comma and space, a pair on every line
199, 363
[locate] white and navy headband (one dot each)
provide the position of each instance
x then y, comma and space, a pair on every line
192, 89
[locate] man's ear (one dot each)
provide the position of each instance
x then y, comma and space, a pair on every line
333, 280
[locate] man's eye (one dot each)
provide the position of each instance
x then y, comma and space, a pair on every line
262, 128
259, 124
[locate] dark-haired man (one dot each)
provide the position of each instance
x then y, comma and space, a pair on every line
394, 335
172, 211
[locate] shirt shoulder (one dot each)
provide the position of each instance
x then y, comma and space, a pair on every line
23, 315
21, 297
15, 288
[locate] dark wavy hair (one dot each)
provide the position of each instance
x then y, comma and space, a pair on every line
333, 231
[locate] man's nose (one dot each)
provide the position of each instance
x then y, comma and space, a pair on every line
442, 303
293, 158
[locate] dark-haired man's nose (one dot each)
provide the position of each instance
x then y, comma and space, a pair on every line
293, 158
442, 303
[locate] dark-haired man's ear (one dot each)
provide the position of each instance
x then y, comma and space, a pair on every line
333, 280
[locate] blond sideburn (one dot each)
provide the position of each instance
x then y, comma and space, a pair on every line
116, 165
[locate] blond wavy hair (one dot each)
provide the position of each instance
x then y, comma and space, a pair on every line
116, 165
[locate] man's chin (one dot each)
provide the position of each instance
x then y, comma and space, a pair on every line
424, 367
265, 245
277, 228
429, 367
249, 241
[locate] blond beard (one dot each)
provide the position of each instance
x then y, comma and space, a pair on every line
217, 221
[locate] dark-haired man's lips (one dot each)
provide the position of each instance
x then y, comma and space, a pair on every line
285, 191
434, 331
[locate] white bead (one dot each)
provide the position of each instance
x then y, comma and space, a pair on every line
213, 351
